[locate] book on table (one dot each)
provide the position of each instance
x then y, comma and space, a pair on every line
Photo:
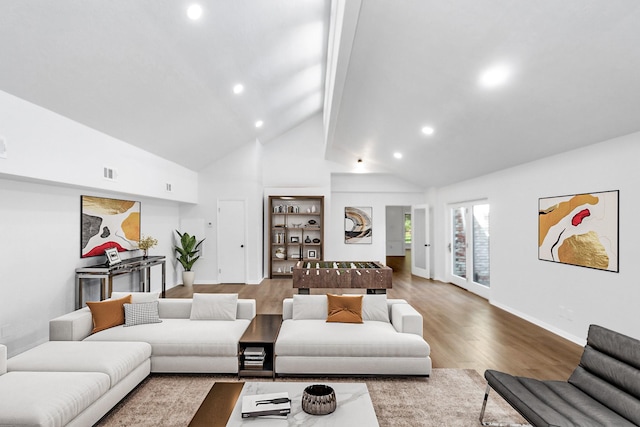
254, 352
260, 405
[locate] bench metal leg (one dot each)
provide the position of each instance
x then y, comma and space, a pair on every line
498, 424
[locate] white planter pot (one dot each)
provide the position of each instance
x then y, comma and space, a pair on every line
188, 278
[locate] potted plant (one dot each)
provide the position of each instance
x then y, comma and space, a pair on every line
188, 255
145, 243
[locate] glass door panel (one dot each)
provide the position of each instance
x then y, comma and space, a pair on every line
481, 273
459, 250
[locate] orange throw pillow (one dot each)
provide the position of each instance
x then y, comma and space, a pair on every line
108, 313
344, 309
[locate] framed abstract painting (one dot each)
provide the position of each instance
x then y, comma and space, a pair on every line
580, 229
358, 225
108, 223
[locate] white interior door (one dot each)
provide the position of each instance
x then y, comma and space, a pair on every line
420, 241
232, 258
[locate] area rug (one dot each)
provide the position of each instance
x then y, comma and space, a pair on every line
449, 397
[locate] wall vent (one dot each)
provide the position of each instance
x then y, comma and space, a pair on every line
168, 187
3, 147
110, 174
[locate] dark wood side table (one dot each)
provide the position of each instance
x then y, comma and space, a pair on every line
262, 332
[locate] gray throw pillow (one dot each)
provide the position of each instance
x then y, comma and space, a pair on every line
141, 313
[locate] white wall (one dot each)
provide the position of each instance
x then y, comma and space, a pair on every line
47, 147
40, 229
376, 191
235, 177
534, 289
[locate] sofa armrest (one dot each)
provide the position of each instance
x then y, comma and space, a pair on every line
406, 319
74, 326
3, 359
246, 309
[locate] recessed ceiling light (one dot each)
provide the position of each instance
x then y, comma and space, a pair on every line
194, 12
259, 123
428, 130
238, 89
397, 155
495, 76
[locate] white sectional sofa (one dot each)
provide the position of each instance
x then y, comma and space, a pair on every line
68, 383
388, 342
178, 343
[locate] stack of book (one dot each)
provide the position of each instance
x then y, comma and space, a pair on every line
271, 404
254, 358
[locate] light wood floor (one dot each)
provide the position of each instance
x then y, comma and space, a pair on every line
463, 330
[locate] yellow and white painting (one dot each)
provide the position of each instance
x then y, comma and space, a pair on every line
580, 229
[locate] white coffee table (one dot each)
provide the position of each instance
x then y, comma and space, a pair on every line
354, 406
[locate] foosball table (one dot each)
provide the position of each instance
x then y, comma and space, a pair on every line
370, 275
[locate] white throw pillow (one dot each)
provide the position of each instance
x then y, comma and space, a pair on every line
141, 313
374, 307
309, 307
137, 297
214, 307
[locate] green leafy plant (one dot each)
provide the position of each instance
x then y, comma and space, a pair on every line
188, 250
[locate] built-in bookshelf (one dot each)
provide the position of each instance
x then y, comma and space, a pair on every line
296, 232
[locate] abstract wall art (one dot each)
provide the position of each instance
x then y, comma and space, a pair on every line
108, 223
580, 229
357, 225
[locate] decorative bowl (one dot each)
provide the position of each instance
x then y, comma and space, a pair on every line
319, 399
316, 240
311, 221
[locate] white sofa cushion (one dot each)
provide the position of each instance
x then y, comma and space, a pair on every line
137, 297
374, 307
214, 307
309, 307
368, 339
48, 399
182, 337
115, 359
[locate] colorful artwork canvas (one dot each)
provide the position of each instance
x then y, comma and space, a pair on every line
108, 223
357, 225
580, 229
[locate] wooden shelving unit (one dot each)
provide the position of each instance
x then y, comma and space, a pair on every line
296, 232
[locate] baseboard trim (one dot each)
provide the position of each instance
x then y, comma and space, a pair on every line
543, 325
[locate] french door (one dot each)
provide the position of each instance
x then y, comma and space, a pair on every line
469, 246
420, 241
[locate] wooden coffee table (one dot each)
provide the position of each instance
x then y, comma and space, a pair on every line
223, 406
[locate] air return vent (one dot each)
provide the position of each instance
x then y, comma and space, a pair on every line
110, 174
3, 147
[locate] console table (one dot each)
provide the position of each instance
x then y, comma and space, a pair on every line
106, 273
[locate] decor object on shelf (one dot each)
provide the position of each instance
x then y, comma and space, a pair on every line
280, 253
112, 256
358, 225
108, 223
145, 243
319, 399
188, 250
307, 239
580, 229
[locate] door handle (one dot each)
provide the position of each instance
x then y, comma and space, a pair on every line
427, 244
242, 246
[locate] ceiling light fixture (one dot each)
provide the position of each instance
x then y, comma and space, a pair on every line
259, 124
397, 155
238, 89
494, 76
428, 130
194, 12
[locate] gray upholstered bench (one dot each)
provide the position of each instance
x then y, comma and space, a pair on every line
604, 390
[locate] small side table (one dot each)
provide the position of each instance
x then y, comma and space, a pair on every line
262, 332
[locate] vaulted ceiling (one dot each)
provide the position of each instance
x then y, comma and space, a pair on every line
379, 71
